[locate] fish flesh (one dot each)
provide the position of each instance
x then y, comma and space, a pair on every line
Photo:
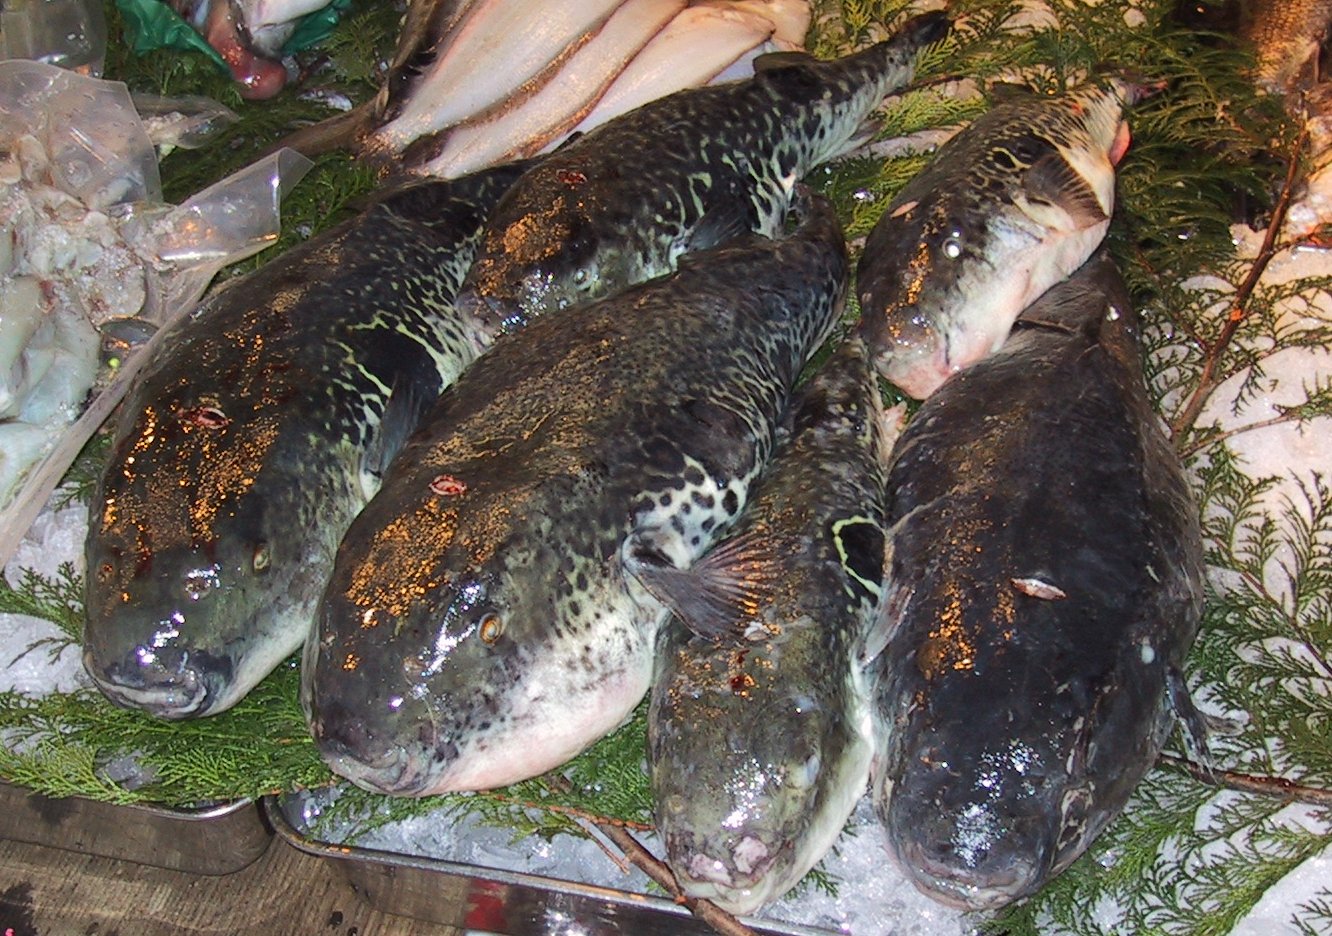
622, 203
258, 73
759, 725
693, 49
1007, 208
464, 62
623, 60
270, 23
1045, 582
246, 447
552, 110
483, 623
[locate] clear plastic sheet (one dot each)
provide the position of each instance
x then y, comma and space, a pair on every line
80, 201
97, 147
68, 33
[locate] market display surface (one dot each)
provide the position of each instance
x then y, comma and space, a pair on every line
1186, 497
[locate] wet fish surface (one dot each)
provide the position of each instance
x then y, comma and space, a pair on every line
1285, 36
759, 725
483, 623
244, 451
1006, 209
622, 203
1045, 582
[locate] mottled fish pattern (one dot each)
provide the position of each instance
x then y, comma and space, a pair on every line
1006, 209
622, 203
246, 448
483, 623
759, 725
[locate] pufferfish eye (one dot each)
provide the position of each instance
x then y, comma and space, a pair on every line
491, 627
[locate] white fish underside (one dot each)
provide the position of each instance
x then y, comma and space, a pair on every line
697, 46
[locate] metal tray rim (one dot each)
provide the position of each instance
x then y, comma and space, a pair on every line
284, 829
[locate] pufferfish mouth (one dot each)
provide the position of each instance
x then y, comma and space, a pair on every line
965, 888
743, 866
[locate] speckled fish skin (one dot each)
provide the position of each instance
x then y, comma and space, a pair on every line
1045, 581
244, 451
759, 743
1284, 35
483, 624
622, 203
1007, 208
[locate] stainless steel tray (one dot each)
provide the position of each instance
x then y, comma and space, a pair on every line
215, 840
505, 902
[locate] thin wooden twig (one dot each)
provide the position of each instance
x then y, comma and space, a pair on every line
1276, 787
571, 811
724, 923
1187, 451
707, 911
1212, 377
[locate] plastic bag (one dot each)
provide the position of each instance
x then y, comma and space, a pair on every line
96, 145
81, 198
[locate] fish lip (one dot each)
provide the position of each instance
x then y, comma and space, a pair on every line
396, 774
954, 887
162, 698
703, 874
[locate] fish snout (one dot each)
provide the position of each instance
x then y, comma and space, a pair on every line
732, 863
977, 859
167, 682
373, 759
917, 370
736, 875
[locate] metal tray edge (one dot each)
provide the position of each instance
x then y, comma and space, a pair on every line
528, 904
210, 840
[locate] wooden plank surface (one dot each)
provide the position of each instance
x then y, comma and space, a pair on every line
50, 892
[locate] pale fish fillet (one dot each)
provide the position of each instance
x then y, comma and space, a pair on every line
551, 104
790, 20
499, 45
743, 67
696, 45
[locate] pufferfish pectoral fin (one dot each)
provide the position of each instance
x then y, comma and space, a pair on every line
404, 408
1055, 195
717, 596
1193, 722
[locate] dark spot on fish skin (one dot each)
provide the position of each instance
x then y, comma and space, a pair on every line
706, 501
665, 499
334, 919
731, 503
